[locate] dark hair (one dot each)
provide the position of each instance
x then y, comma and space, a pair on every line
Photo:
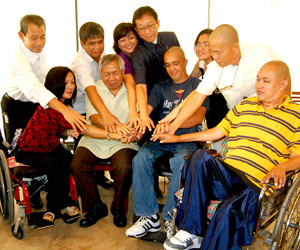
34, 19
205, 31
90, 30
55, 82
122, 30
142, 11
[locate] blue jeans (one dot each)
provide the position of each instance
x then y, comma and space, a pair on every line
144, 198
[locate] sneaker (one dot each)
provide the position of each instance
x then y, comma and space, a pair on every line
183, 241
143, 225
168, 229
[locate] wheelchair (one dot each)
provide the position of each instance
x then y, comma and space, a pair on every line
282, 207
14, 189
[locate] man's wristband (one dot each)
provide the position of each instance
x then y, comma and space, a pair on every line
108, 138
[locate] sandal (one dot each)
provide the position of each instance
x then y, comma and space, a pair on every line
70, 210
49, 216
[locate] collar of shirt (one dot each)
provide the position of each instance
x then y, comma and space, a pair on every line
152, 45
284, 105
104, 88
32, 56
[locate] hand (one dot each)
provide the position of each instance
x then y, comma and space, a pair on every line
124, 130
75, 119
146, 123
73, 133
165, 138
134, 120
171, 116
161, 128
278, 174
111, 122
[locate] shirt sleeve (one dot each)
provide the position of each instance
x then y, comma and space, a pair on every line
225, 124
139, 67
155, 96
208, 84
84, 76
29, 84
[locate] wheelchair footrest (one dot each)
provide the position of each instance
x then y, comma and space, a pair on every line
35, 220
267, 236
157, 237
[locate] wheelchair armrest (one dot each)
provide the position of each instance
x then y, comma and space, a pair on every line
7, 145
289, 175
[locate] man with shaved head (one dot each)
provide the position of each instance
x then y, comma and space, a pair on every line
232, 73
263, 143
164, 97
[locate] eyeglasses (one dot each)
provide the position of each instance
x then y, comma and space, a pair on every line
150, 27
218, 91
203, 45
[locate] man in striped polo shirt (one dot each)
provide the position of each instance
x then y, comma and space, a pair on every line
264, 143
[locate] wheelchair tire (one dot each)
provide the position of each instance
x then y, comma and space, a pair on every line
3, 198
20, 233
10, 209
287, 229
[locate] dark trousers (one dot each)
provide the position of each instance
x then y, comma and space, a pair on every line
82, 167
56, 165
206, 179
18, 112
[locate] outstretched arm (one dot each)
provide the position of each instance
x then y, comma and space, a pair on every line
110, 121
134, 118
206, 135
73, 117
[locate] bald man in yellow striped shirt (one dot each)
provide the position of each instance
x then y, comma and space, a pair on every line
264, 143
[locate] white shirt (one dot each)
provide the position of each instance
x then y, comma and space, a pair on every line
87, 72
253, 57
27, 72
118, 106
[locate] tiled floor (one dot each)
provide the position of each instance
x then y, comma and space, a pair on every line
103, 235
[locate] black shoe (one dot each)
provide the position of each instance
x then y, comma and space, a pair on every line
104, 182
98, 212
120, 220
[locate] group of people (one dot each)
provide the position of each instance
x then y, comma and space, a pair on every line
139, 104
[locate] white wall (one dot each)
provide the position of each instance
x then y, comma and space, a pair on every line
257, 21
270, 22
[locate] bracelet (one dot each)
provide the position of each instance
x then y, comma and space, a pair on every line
108, 138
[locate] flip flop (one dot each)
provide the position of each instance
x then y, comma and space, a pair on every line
71, 211
49, 216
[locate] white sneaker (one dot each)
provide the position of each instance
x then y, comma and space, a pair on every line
143, 225
183, 241
168, 229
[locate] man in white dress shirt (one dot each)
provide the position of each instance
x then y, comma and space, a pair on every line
25, 89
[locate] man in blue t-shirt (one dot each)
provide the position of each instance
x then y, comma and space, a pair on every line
164, 97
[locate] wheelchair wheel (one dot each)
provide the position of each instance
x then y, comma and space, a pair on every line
287, 229
3, 198
20, 233
10, 210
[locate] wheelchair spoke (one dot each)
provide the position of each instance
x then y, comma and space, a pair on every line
290, 226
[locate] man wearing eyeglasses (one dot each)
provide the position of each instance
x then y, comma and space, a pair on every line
232, 73
147, 58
